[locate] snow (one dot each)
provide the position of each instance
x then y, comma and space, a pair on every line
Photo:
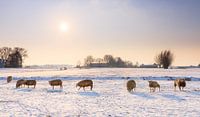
108, 98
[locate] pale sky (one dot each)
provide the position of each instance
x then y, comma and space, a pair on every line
66, 31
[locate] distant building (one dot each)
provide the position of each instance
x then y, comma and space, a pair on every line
1, 63
149, 66
186, 67
97, 64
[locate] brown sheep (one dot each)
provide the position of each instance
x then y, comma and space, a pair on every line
180, 83
30, 82
153, 85
9, 79
20, 82
85, 83
131, 85
56, 83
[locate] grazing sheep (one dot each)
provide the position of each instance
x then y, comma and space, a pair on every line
85, 83
180, 83
153, 85
56, 83
9, 79
30, 82
131, 85
20, 82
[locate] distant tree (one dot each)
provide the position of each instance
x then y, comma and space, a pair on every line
165, 59
137, 64
78, 65
4, 53
88, 60
13, 57
22, 51
109, 59
99, 60
129, 64
14, 60
119, 62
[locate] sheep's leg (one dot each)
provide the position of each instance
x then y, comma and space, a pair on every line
34, 86
150, 89
61, 86
91, 88
53, 87
84, 88
79, 88
182, 88
153, 89
179, 88
174, 88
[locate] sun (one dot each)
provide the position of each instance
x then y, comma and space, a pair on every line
64, 27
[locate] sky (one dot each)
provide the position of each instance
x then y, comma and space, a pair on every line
66, 31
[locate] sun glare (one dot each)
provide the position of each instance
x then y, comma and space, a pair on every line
64, 27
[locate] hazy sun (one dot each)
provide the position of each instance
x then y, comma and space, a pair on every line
64, 27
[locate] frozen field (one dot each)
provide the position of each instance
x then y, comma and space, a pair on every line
109, 97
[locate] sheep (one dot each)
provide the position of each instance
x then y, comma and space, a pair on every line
180, 83
20, 82
9, 79
153, 85
30, 82
56, 83
131, 85
85, 83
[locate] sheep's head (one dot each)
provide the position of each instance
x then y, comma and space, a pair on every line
76, 85
158, 85
17, 85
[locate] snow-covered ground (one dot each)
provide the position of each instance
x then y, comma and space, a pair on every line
102, 73
108, 98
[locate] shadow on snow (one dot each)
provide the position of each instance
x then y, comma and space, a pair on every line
25, 89
90, 93
54, 91
173, 97
143, 95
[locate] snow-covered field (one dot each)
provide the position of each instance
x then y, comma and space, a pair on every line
108, 98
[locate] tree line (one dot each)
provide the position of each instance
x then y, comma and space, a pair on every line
163, 60
106, 61
12, 57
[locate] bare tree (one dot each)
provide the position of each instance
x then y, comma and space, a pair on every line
78, 65
165, 59
99, 60
12, 57
88, 60
14, 60
22, 51
4, 53
129, 64
110, 60
119, 62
